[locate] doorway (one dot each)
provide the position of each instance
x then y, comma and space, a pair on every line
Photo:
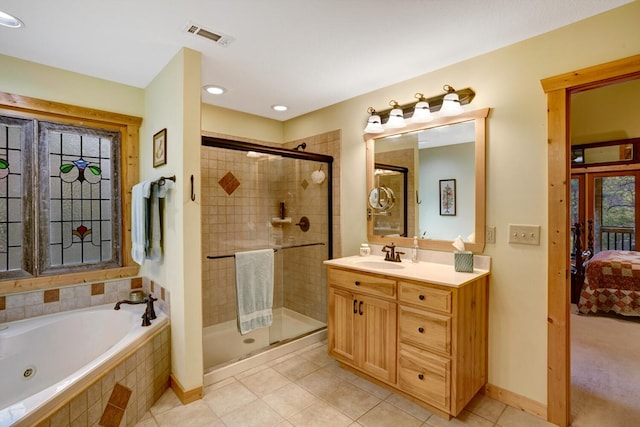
559, 90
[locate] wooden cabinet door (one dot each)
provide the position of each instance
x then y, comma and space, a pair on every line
377, 321
341, 331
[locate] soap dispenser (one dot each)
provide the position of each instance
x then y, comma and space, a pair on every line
414, 252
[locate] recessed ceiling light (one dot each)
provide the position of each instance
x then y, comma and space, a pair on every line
214, 90
279, 107
10, 20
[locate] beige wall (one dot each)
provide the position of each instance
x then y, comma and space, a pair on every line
606, 114
249, 126
172, 101
508, 81
52, 84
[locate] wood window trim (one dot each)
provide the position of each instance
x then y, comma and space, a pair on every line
559, 89
128, 126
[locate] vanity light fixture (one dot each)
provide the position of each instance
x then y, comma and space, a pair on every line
7, 20
419, 111
396, 117
450, 103
374, 124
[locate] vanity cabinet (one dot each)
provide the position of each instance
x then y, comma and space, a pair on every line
424, 340
362, 320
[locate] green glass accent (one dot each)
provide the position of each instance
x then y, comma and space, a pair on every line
4, 164
95, 169
66, 168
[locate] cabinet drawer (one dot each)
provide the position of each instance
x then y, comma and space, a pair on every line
425, 376
427, 330
363, 283
435, 299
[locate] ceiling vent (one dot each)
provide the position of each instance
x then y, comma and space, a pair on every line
215, 36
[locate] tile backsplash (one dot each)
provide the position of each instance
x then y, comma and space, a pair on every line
36, 303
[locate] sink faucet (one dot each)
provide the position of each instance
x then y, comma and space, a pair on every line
391, 253
149, 312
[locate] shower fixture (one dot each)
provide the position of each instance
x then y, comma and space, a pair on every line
301, 147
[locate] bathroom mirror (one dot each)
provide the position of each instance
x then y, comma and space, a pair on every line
449, 150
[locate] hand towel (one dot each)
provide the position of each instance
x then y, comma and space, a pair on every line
254, 289
139, 195
154, 236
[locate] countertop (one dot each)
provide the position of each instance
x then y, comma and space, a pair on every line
432, 272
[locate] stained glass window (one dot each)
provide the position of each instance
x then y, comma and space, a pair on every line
59, 193
82, 196
16, 140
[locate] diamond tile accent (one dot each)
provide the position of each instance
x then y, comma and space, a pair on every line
304, 184
229, 183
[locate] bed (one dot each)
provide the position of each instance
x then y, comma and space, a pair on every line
611, 281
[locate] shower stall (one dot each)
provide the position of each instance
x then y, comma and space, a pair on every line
257, 197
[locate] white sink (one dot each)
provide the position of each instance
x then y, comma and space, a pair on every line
383, 265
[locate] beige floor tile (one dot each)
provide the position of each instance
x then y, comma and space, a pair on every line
318, 355
265, 381
350, 400
219, 384
372, 388
228, 398
409, 407
385, 414
254, 414
289, 400
486, 407
296, 368
167, 401
320, 415
147, 422
195, 414
512, 417
465, 418
320, 382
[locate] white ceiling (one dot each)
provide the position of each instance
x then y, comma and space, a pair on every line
306, 54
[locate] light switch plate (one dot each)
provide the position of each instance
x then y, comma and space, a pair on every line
524, 234
490, 237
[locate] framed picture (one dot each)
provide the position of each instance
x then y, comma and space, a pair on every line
447, 197
160, 148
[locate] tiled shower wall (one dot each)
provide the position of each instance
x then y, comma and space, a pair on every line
236, 214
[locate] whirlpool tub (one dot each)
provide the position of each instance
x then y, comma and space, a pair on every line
45, 361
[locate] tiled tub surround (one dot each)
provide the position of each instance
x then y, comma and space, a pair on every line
36, 303
120, 382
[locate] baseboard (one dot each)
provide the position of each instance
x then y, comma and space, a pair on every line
186, 396
515, 400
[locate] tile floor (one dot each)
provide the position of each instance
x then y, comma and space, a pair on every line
307, 388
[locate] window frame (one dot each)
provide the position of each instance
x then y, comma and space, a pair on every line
128, 126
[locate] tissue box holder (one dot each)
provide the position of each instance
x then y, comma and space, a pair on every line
463, 261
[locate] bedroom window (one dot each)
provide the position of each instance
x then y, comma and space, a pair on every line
608, 199
66, 174
59, 198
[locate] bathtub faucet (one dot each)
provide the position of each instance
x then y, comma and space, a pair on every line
149, 312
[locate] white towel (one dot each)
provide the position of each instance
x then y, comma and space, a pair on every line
139, 195
254, 289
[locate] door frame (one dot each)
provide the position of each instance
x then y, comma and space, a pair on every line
559, 89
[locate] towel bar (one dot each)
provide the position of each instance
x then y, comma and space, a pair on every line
274, 250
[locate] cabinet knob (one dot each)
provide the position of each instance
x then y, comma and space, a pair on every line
421, 297
421, 330
420, 376
357, 282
